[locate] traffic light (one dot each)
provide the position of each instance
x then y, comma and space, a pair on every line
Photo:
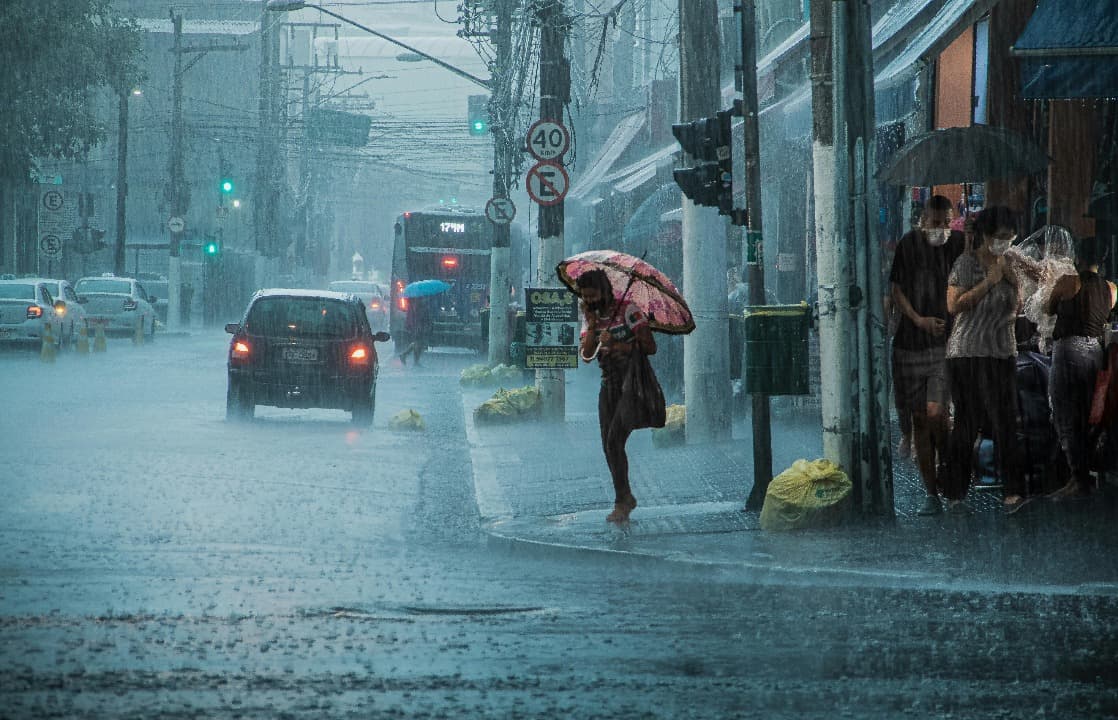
226, 185
211, 248
477, 107
708, 142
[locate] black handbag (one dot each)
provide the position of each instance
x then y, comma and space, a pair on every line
642, 398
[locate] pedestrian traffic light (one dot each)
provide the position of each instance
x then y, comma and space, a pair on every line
710, 180
477, 111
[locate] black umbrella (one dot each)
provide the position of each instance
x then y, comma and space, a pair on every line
963, 155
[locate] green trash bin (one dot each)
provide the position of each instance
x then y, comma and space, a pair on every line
775, 357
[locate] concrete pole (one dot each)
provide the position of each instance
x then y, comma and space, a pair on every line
706, 362
555, 86
121, 181
178, 199
834, 295
501, 124
754, 256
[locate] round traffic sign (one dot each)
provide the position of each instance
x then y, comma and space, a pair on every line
176, 224
50, 246
547, 183
548, 139
500, 210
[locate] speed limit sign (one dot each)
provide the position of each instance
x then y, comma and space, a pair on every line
548, 140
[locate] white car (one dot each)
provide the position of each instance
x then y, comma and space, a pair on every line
372, 296
120, 302
70, 311
26, 309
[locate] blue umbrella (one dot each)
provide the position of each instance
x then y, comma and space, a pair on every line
424, 288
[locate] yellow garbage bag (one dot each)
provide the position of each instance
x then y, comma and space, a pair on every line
508, 405
809, 494
407, 420
476, 375
674, 431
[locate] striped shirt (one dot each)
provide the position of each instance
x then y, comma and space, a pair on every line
985, 330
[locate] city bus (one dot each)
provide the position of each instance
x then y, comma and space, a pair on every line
451, 244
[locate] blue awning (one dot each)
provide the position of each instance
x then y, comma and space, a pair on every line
1070, 50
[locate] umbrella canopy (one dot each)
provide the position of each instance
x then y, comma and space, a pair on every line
634, 281
424, 288
963, 155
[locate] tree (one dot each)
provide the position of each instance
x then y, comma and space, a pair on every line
56, 55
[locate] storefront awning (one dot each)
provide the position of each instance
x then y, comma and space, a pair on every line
1069, 50
634, 175
612, 149
940, 31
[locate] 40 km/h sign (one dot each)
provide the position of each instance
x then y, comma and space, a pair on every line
547, 183
548, 140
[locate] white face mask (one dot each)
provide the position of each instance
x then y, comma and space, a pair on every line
937, 236
998, 246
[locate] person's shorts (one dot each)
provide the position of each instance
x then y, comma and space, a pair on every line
920, 377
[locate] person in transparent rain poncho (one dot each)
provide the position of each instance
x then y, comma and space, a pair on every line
1071, 305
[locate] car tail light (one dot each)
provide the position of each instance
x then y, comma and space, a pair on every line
241, 351
129, 304
402, 303
359, 355
34, 312
450, 262
374, 305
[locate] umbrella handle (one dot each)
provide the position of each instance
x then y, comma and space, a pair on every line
594, 355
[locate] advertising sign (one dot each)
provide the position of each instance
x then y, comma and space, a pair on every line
551, 328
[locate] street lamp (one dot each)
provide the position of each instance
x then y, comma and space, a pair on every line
290, 5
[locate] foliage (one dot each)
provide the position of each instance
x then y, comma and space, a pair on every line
56, 55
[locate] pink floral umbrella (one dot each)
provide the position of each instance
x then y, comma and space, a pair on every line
633, 281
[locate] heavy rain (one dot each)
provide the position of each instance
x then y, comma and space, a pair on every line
558, 359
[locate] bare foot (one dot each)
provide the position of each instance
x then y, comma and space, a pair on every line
621, 510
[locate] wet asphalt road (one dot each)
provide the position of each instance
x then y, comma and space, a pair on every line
156, 561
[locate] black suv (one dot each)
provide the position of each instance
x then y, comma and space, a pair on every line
303, 348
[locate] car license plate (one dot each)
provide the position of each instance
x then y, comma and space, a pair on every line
295, 354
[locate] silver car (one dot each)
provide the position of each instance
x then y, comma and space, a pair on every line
71, 313
372, 296
119, 302
26, 310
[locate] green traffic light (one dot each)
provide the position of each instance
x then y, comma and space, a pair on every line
226, 186
478, 127
211, 248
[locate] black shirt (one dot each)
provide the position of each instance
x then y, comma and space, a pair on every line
1085, 314
921, 271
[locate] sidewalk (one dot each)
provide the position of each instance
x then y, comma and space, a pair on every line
546, 487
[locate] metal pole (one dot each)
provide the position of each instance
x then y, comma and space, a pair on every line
501, 124
754, 249
555, 85
121, 182
178, 201
706, 362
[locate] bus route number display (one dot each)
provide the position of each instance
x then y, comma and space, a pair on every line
551, 328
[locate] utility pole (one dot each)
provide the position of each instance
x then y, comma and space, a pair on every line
753, 247
706, 363
178, 199
267, 151
121, 180
501, 124
555, 89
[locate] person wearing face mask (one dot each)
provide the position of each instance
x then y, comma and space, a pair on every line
982, 295
918, 280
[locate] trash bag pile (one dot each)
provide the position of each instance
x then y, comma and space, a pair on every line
810, 494
407, 420
508, 406
674, 431
482, 375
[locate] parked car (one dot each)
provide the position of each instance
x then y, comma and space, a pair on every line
159, 292
69, 309
303, 348
118, 301
26, 310
372, 295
